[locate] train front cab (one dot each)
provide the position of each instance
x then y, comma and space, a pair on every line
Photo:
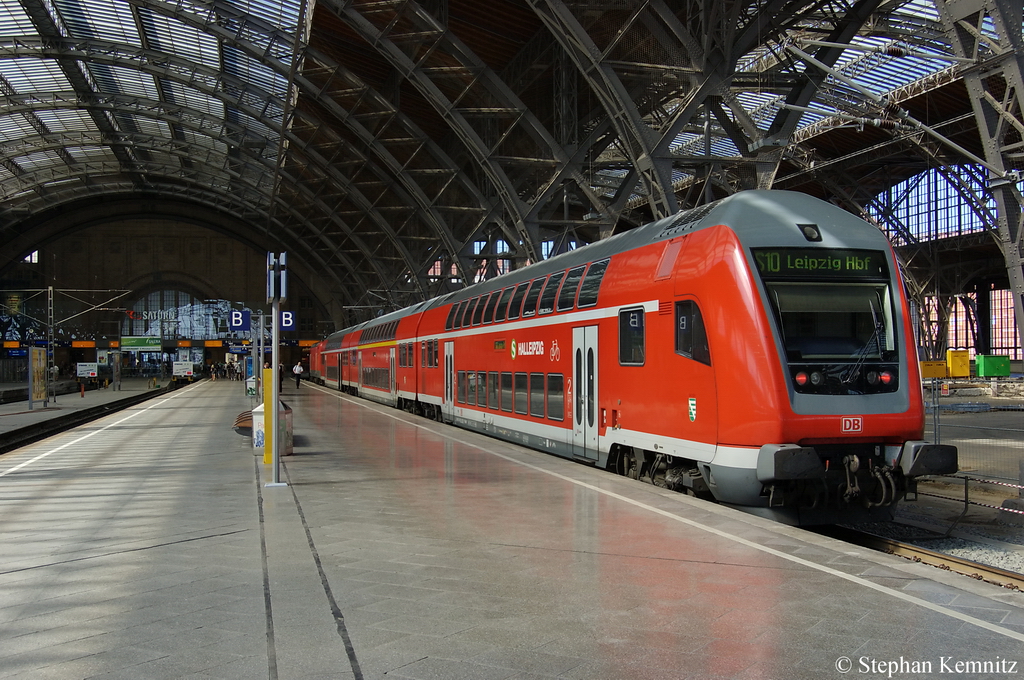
847, 444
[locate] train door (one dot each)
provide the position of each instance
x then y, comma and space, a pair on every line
448, 404
392, 376
359, 373
584, 392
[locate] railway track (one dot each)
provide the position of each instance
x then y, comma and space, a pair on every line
1003, 578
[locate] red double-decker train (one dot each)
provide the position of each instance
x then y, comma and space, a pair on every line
757, 351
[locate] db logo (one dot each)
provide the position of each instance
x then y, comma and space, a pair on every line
853, 424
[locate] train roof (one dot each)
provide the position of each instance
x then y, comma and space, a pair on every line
760, 216
756, 214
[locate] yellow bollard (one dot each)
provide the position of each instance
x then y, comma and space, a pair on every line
268, 431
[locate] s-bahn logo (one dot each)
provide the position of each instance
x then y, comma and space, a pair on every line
853, 424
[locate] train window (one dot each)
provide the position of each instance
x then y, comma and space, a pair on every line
467, 315
556, 396
521, 395
492, 389
478, 315
457, 319
631, 336
481, 388
401, 356
462, 387
506, 391
537, 395
530, 304
591, 284
492, 302
499, 311
691, 338
436, 360
567, 296
471, 388
517, 302
547, 298
423, 354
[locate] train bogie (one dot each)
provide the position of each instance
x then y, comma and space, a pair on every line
756, 351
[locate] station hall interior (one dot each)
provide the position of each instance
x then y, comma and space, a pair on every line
154, 153
156, 156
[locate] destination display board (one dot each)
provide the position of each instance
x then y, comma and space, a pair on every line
820, 263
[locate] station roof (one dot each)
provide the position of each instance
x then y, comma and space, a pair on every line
397, 149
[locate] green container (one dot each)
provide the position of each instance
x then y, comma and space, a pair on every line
992, 366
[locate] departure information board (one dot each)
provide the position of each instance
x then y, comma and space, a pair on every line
820, 263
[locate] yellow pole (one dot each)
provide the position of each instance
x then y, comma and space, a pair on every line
268, 431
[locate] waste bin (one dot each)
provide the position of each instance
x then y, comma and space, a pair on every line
284, 428
250, 386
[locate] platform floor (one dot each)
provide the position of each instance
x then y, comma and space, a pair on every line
15, 412
146, 545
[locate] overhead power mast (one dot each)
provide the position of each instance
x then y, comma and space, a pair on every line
996, 88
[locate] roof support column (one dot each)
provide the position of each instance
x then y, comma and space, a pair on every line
996, 87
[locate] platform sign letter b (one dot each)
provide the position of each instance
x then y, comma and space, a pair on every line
287, 321
239, 320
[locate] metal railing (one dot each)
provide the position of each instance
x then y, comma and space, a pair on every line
966, 500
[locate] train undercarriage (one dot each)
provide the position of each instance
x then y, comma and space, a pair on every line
797, 484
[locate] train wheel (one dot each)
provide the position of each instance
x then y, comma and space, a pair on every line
629, 465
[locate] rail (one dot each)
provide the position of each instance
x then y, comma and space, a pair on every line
976, 570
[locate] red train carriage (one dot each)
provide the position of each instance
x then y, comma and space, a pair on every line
757, 351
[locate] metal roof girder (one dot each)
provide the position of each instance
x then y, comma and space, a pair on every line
46, 24
331, 215
635, 135
786, 120
962, 22
383, 154
421, 79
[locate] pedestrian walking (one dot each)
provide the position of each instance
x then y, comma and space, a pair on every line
297, 370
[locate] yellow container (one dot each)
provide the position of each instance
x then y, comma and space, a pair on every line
958, 363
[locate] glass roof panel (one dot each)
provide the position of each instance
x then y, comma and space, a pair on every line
92, 154
193, 99
103, 19
120, 80
34, 75
66, 120
174, 37
13, 20
239, 64
14, 127
150, 126
282, 13
38, 159
194, 138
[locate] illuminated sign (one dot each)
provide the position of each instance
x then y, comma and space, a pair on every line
160, 315
820, 263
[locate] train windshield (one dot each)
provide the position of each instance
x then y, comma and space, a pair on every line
836, 314
839, 338
835, 321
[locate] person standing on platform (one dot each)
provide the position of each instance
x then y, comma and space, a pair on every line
280, 378
297, 370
